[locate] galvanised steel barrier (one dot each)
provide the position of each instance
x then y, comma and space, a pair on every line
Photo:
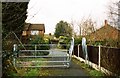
43, 55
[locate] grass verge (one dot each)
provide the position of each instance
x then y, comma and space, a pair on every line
89, 70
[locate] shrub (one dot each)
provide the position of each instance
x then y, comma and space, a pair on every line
64, 42
43, 44
78, 40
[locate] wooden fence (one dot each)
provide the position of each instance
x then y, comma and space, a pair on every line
109, 58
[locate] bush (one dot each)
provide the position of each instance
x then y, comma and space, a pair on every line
37, 40
78, 40
40, 40
105, 42
43, 44
64, 42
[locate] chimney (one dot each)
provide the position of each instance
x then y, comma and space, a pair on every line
106, 23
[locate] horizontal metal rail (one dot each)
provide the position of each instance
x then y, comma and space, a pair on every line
41, 44
41, 50
46, 66
48, 61
43, 56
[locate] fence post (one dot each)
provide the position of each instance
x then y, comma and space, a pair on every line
99, 57
78, 49
14, 50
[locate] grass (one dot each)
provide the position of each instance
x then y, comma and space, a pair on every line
89, 70
29, 61
32, 72
28, 71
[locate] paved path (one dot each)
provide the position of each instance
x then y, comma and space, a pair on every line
55, 52
74, 70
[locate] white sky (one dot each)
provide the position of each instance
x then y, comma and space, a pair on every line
50, 12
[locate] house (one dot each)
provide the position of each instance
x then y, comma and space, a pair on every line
31, 30
105, 33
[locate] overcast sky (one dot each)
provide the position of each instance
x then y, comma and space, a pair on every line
50, 12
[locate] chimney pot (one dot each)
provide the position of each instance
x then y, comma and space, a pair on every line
106, 22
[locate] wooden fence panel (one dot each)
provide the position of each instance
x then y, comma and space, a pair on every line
110, 59
93, 54
75, 51
80, 51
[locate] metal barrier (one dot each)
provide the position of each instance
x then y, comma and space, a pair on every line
42, 55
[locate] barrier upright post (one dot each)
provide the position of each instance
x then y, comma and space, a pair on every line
15, 54
35, 49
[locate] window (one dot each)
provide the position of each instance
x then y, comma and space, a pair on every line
35, 32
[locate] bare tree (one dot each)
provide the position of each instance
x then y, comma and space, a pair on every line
72, 24
87, 26
114, 13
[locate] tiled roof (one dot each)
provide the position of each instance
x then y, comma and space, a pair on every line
106, 32
39, 27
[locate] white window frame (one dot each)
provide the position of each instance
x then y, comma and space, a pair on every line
34, 32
